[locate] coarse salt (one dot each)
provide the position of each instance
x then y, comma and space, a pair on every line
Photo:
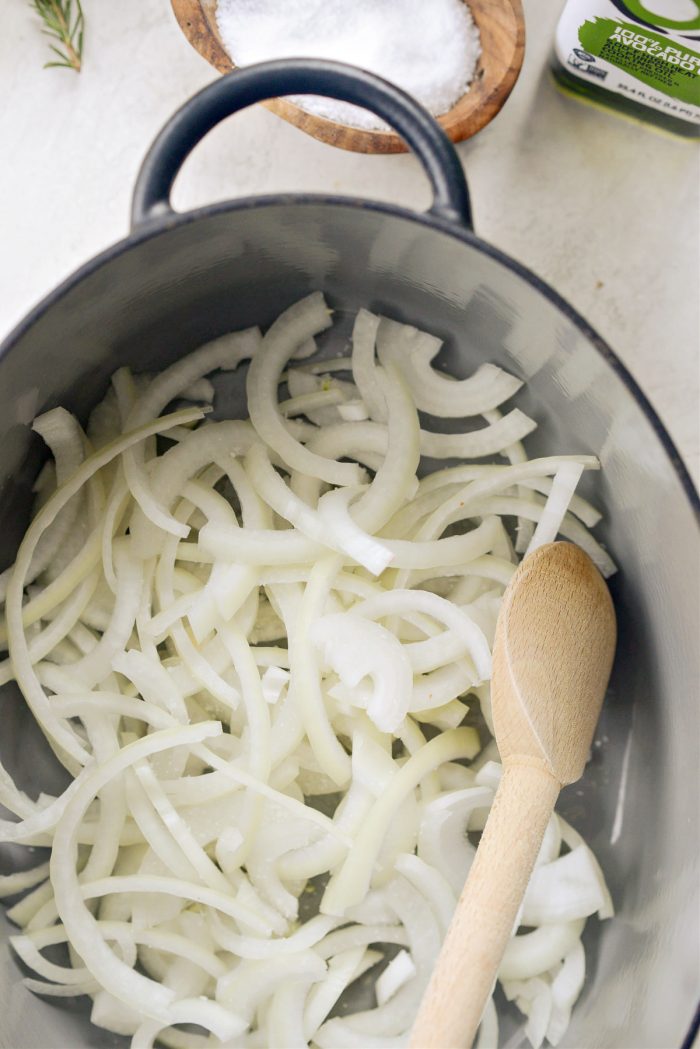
430, 50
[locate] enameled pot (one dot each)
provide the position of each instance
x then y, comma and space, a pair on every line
180, 279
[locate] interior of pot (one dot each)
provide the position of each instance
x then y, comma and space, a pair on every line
149, 304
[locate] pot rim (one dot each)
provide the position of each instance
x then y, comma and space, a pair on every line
156, 226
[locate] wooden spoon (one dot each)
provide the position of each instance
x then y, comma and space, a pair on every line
554, 647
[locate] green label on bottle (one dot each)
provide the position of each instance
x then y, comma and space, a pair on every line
651, 58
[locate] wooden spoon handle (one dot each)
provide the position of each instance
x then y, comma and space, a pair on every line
483, 922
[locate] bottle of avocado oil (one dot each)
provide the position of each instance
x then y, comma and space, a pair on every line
641, 57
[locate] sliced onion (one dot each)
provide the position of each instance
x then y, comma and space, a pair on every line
364, 368
343, 968
350, 883
558, 500
355, 648
535, 952
21, 880
397, 973
301, 321
245, 626
62, 433
437, 393
226, 352
563, 890
476, 444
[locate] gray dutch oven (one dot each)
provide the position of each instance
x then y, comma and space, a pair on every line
179, 279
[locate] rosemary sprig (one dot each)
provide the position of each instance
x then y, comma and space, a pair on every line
63, 20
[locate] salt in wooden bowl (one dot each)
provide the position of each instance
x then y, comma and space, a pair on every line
502, 29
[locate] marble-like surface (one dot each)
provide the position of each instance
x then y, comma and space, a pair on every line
605, 210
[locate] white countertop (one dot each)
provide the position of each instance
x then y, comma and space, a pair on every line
605, 210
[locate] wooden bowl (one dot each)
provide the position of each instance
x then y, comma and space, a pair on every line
502, 28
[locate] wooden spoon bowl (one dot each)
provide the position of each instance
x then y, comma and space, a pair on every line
502, 29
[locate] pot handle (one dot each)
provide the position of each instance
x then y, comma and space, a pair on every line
244, 87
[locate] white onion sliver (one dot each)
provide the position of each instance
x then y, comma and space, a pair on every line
355, 648
63, 435
477, 444
398, 972
301, 321
435, 392
559, 499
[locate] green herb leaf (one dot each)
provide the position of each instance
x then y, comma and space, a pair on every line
62, 24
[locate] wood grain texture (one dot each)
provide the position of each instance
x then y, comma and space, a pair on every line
552, 656
553, 652
501, 26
